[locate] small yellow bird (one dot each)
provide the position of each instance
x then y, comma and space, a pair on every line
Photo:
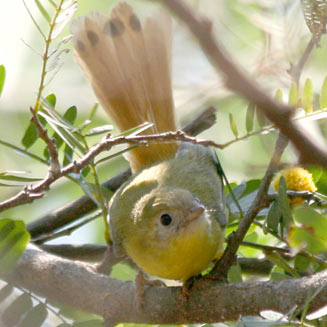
169, 217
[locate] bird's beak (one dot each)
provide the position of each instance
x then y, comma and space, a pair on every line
196, 212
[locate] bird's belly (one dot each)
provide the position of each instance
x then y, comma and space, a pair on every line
181, 258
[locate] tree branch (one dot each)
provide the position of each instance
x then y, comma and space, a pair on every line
296, 70
76, 284
236, 238
51, 143
237, 81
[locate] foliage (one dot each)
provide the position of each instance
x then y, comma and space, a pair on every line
293, 238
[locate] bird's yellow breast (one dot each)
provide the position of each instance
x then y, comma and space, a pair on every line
183, 256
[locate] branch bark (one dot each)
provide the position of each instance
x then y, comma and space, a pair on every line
76, 284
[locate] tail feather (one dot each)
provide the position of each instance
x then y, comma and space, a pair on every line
128, 66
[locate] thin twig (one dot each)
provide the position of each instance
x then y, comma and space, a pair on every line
286, 252
266, 248
34, 21
51, 143
296, 70
235, 79
237, 237
45, 56
305, 195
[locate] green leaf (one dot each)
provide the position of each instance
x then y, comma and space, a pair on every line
235, 274
279, 95
283, 202
245, 203
63, 132
50, 100
233, 125
322, 183
278, 274
84, 125
23, 152
310, 231
261, 118
99, 130
115, 154
50, 111
6, 227
13, 240
13, 313
53, 4
85, 171
242, 190
93, 111
316, 221
46, 154
35, 317
10, 185
89, 189
300, 239
316, 172
53, 119
71, 114
301, 263
30, 136
282, 263
293, 95
15, 178
43, 11
251, 185
323, 94
273, 217
136, 130
2, 77
237, 191
68, 155
250, 117
307, 96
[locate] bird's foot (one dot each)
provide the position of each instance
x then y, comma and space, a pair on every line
141, 282
108, 261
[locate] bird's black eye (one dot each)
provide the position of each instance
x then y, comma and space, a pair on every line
165, 219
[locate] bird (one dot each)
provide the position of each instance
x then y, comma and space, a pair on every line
169, 217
